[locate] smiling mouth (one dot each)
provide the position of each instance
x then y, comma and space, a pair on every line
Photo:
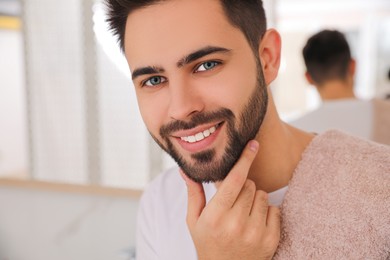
201, 135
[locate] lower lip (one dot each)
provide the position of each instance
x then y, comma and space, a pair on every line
200, 145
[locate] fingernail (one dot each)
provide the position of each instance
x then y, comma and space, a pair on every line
253, 145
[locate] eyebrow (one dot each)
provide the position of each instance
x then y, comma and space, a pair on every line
200, 54
182, 62
146, 70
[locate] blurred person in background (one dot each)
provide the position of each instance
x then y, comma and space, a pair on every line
331, 69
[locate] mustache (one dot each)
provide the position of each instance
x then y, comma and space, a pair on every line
197, 119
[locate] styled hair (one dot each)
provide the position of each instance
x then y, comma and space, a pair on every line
247, 15
327, 56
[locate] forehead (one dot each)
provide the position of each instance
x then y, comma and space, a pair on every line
171, 29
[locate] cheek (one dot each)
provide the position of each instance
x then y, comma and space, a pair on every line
232, 90
153, 113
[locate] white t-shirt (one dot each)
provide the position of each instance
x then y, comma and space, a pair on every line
162, 231
353, 116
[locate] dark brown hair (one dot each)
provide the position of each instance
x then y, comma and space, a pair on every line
327, 56
247, 15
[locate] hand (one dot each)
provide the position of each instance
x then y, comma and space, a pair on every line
237, 223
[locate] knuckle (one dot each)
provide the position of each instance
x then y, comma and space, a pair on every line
235, 177
250, 185
262, 201
235, 229
247, 194
249, 189
214, 229
263, 196
226, 199
211, 222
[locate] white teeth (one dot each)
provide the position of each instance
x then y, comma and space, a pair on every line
199, 136
191, 139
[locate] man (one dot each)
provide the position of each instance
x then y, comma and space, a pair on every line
201, 70
331, 69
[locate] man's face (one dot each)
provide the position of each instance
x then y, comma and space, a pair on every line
199, 86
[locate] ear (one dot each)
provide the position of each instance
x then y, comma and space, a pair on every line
352, 67
309, 78
269, 53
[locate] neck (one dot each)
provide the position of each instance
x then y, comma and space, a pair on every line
281, 147
336, 89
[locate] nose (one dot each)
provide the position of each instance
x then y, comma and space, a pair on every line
185, 100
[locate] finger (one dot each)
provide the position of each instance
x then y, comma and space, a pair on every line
243, 205
273, 220
230, 187
259, 211
273, 226
196, 200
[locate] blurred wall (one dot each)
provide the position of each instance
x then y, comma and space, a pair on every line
52, 225
13, 123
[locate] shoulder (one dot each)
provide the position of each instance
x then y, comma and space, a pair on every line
340, 160
339, 146
339, 115
339, 191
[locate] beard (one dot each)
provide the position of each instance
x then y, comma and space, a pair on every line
206, 167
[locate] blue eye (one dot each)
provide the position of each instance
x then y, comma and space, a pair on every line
208, 65
154, 81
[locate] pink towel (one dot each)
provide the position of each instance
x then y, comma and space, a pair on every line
338, 202
381, 121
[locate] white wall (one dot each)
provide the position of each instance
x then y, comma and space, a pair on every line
52, 225
13, 124
55, 79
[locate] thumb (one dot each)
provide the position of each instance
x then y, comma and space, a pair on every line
196, 200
